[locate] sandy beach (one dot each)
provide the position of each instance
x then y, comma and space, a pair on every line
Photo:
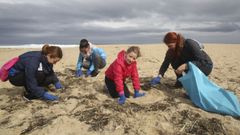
85, 108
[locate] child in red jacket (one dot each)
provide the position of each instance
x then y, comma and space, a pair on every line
123, 67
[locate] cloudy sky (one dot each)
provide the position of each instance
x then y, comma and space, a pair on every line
117, 21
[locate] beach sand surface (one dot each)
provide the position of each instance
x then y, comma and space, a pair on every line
85, 108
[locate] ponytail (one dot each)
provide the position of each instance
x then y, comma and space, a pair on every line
53, 51
179, 45
180, 40
45, 49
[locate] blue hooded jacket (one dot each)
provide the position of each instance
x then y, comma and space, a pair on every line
97, 51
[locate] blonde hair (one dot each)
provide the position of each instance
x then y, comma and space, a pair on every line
54, 51
134, 49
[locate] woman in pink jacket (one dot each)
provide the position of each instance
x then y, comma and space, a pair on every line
123, 67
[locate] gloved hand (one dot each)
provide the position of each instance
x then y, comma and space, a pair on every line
155, 80
138, 94
12, 71
79, 73
122, 99
48, 96
58, 85
88, 73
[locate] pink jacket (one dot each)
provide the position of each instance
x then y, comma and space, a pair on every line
119, 70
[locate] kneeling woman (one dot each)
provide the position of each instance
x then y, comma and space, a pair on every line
180, 52
34, 71
123, 67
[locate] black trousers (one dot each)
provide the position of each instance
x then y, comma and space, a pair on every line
43, 80
204, 66
98, 62
111, 86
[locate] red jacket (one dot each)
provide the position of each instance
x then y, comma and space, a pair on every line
119, 70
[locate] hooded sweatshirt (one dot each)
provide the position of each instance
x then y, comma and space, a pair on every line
29, 63
119, 70
93, 50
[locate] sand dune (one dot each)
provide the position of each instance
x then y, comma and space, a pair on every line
85, 107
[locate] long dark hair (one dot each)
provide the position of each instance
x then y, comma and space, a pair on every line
173, 37
54, 51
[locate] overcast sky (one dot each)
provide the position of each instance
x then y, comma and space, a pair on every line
117, 21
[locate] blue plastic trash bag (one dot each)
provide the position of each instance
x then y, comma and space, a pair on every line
207, 95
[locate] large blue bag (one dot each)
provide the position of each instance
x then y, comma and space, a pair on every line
207, 95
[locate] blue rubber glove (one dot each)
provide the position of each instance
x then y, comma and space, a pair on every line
48, 96
88, 73
79, 73
155, 80
12, 72
58, 85
138, 94
122, 99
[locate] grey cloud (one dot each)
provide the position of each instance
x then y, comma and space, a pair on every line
223, 27
58, 21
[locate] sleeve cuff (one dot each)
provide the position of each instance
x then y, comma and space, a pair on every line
121, 93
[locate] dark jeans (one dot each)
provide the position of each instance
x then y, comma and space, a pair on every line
111, 86
204, 66
98, 62
43, 80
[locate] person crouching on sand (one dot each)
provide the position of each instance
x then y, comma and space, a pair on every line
34, 71
90, 58
180, 52
123, 67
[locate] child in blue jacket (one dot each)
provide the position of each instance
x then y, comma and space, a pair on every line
90, 58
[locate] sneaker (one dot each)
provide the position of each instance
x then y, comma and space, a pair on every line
94, 73
28, 97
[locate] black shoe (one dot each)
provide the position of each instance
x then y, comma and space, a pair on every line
94, 73
28, 97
